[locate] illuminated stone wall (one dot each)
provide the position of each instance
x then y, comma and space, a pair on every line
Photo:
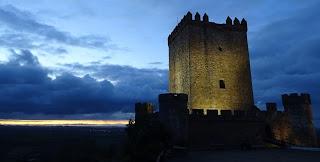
201, 53
295, 124
179, 64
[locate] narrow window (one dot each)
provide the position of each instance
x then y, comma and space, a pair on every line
222, 85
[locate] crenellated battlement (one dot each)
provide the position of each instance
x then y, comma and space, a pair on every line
296, 99
294, 124
143, 108
169, 97
198, 114
143, 112
188, 19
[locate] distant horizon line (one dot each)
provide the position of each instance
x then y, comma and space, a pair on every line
62, 122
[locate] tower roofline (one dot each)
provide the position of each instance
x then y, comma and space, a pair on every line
188, 19
296, 99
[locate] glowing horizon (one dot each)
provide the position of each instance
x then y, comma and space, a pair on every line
17, 122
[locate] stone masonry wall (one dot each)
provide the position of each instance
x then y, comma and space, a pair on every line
202, 53
294, 125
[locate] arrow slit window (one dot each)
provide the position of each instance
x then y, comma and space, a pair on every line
222, 84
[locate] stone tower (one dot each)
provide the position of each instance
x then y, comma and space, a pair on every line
173, 114
143, 112
210, 63
299, 122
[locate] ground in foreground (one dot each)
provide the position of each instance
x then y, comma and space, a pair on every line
263, 155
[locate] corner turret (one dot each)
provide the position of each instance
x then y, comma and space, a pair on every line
244, 24
295, 98
236, 21
143, 112
189, 16
197, 17
173, 113
205, 18
229, 21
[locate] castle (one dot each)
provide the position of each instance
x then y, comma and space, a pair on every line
210, 103
210, 63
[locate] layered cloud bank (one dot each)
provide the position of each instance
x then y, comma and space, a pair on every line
25, 87
21, 29
285, 58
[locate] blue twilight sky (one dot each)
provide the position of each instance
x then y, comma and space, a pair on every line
94, 59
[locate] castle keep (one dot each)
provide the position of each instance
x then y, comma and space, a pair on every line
210, 63
210, 103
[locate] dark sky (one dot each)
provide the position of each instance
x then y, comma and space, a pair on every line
95, 59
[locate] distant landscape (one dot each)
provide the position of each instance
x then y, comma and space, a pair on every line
92, 144
63, 144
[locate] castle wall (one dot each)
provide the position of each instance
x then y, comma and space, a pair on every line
209, 63
294, 125
201, 130
299, 116
198, 129
217, 132
203, 53
225, 130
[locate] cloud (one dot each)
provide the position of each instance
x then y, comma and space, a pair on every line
138, 84
26, 88
285, 58
106, 57
22, 30
155, 63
